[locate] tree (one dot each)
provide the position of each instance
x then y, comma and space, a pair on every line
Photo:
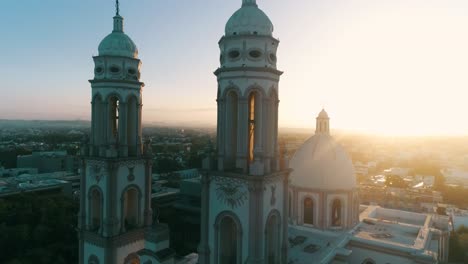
38, 229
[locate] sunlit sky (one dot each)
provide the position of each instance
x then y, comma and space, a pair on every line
397, 67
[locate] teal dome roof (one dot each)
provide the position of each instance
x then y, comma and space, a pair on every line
118, 43
249, 20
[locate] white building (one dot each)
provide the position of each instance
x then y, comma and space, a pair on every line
327, 225
243, 217
116, 220
252, 213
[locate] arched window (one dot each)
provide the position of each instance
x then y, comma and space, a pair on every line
114, 116
228, 244
308, 211
336, 213
131, 208
93, 259
231, 128
368, 261
272, 239
95, 209
132, 259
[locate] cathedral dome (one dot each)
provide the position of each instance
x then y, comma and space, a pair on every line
322, 163
118, 43
249, 20
323, 114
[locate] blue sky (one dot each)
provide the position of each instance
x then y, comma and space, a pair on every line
376, 65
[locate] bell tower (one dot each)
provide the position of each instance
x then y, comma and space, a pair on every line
115, 200
242, 195
322, 126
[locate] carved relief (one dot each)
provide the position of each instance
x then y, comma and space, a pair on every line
98, 172
230, 192
273, 195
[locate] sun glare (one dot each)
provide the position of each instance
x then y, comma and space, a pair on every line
390, 68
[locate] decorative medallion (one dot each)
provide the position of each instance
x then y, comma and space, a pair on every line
230, 193
131, 176
273, 195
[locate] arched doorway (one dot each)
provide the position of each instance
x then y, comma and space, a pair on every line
272, 239
95, 203
131, 208
228, 239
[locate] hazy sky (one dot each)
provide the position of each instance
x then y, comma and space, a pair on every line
386, 66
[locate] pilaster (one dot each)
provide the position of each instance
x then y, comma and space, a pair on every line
256, 225
204, 247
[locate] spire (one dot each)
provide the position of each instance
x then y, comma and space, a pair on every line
117, 8
322, 126
118, 20
249, 3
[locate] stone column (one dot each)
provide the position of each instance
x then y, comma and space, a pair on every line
138, 129
229, 130
92, 139
103, 127
221, 133
256, 225
296, 206
110, 201
285, 243
275, 133
267, 132
82, 216
148, 213
123, 142
203, 247
242, 134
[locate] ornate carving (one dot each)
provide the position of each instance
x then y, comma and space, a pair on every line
98, 173
131, 163
273, 195
131, 176
230, 192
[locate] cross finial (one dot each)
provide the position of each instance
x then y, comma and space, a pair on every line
117, 8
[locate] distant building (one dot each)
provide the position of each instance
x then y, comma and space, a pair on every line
4, 173
44, 183
402, 172
49, 161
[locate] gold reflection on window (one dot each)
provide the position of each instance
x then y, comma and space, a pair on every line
251, 126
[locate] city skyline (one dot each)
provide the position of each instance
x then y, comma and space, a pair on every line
391, 68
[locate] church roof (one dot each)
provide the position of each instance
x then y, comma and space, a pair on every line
323, 114
118, 43
249, 20
322, 163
